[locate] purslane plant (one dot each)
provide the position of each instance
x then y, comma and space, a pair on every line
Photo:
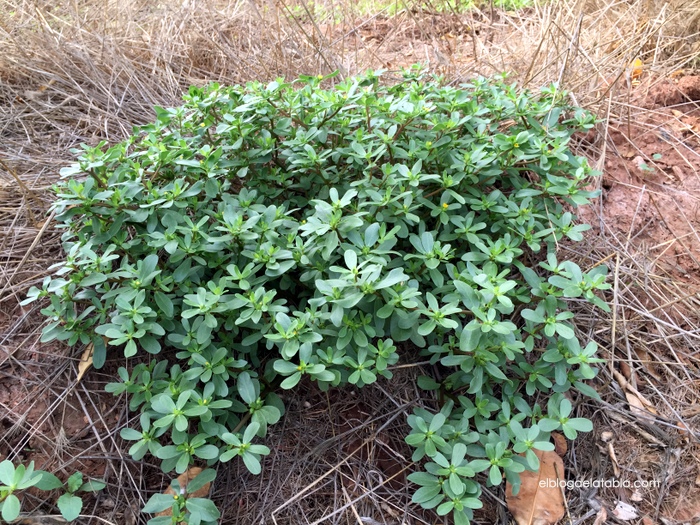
261, 234
17, 479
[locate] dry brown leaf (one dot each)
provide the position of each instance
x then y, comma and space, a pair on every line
646, 520
85, 362
636, 405
601, 517
625, 369
613, 459
639, 404
183, 479
646, 360
607, 436
684, 431
625, 512
540, 500
560, 446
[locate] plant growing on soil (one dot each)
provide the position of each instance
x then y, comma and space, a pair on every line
20, 478
183, 504
260, 235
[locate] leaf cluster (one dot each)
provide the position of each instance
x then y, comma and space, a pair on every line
261, 235
23, 477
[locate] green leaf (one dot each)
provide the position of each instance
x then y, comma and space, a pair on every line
428, 383
291, 381
284, 367
70, 506
48, 482
495, 476
93, 279
74, 482
7, 472
245, 388
469, 340
161, 520
159, 503
204, 477
207, 452
130, 434
93, 485
581, 424
204, 507
531, 315
99, 352
424, 494
130, 349
165, 304
10, 508
427, 327
564, 330
252, 463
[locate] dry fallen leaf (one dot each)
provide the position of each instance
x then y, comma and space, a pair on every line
646, 520
607, 436
560, 446
646, 360
85, 362
625, 512
636, 496
625, 369
639, 404
601, 517
540, 500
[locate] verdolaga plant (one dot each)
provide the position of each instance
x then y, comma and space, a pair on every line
262, 233
21, 478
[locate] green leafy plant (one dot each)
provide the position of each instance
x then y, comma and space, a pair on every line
184, 507
14, 479
21, 478
69, 503
262, 235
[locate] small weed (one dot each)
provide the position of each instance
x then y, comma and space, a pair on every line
21, 478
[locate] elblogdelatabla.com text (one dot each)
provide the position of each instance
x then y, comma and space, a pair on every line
599, 483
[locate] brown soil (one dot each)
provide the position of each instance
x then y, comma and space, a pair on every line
651, 180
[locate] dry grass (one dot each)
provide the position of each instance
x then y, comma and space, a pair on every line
85, 71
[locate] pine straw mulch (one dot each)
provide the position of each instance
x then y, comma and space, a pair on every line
85, 72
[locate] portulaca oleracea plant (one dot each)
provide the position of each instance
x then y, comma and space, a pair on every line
261, 235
